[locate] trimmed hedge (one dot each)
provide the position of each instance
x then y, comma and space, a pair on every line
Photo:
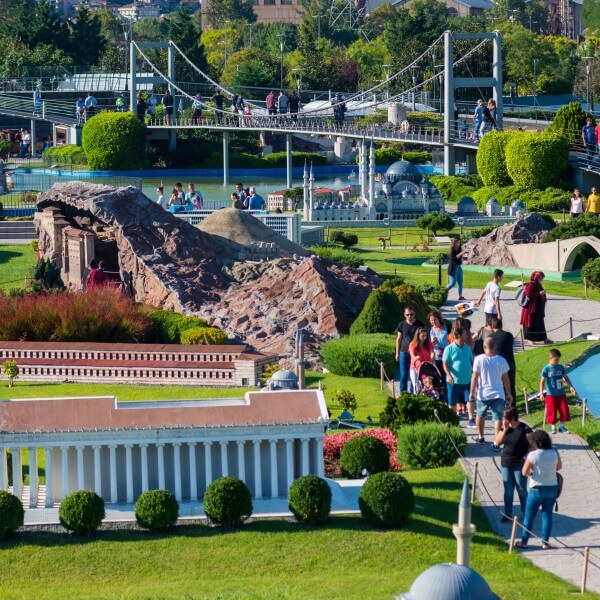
156, 510
591, 271
568, 121
364, 452
204, 335
409, 409
345, 256
309, 499
114, 141
410, 294
81, 512
386, 500
426, 445
491, 157
67, 154
167, 326
11, 514
279, 159
537, 161
359, 355
453, 188
551, 198
227, 502
381, 313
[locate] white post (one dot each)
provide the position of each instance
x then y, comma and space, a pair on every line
288, 163
224, 460
64, 470
3, 470
497, 74
225, 158
49, 497
208, 462
363, 162
160, 450
144, 456
372, 177
257, 470
177, 470
449, 154
97, 471
241, 461
113, 474
193, 474
17, 472
274, 474
305, 457
80, 480
320, 464
33, 478
289, 456
128, 474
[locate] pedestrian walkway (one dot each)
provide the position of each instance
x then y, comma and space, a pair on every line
577, 522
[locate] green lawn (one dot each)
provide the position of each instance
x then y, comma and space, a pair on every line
16, 261
272, 559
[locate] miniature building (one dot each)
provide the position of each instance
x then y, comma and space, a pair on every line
277, 200
466, 206
283, 380
120, 450
493, 208
517, 209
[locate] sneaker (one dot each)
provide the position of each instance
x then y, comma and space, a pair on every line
506, 518
496, 448
481, 440
563, 429
472, 424
553, 430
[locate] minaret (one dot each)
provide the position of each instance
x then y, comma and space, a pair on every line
300, 359
371, 179
363, 169
464, 530
311, 193
305, 206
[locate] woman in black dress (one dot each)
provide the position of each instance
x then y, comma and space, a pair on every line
534, 313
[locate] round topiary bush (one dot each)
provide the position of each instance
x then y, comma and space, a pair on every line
309, 499
359, 355
386, 500
156, 510
364, 452
204, 335
491, 158
427, 445
227, 502
81, 512
380, 314
11, 514
114, 141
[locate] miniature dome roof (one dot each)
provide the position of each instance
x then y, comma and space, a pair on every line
492, 201
467, 204
284, 376
449, 582
517, 204
403, 167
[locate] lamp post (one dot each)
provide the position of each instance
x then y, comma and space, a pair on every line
413, 71
318, 28
534, 79
387, 80
128, 35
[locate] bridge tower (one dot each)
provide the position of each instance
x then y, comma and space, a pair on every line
451, 83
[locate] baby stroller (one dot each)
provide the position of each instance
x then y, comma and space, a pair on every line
429, 369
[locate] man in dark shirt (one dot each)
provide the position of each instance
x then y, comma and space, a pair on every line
218, 100
504, 348
406, 333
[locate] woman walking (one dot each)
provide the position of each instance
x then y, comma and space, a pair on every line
513, 438
541, 466
455, 273
438, 336
533, 314
420, 350
577, 206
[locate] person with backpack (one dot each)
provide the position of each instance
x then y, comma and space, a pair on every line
541, 466
532, 299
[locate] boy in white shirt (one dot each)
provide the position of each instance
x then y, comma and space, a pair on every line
491, 307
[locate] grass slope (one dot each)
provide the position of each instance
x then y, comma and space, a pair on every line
16, 261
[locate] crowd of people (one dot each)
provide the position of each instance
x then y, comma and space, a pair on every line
579, 205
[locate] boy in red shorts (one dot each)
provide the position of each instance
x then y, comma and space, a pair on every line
552, 389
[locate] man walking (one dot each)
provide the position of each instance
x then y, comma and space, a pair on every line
491, 293
505, 348
218, 100
588, 135
282, 105
256, 201
477, 119
406, 333
90, 105
593, 203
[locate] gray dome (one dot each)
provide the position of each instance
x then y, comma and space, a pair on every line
403, 167
284, 380
466, 205
518, 204
449, 582
492, 201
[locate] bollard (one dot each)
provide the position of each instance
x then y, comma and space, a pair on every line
571, 328
583, 411
381, 375
586, 558
513, 534
526, 399
475, 472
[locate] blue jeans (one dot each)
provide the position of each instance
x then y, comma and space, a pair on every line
456, 279
513, 478
590, 150
476, 128
544, 496
403, 370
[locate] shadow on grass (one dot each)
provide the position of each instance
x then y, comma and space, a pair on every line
7, 255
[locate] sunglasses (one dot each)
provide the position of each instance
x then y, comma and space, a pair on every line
409, 314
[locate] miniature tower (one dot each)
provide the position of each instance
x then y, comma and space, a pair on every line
305, 199
300, 359
363, 169
311, 192
371, 180
464, 530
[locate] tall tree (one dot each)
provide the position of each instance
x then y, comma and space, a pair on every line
591, 15
186, 35
86, 39
47, 27
220, 11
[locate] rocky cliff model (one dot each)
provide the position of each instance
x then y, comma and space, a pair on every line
205, 270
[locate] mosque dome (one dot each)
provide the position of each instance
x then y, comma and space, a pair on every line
449, 582
518, 204
403, 168
493, 202
284, 380
466, 205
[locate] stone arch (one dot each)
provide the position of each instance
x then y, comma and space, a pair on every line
570, 252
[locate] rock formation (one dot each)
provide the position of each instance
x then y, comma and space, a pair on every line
171, 264
493, 249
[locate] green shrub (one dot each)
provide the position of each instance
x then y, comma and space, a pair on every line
227, 502
156, 510
591, 271
345, 399
491, 157
309, 499
114, 141
204, 335
411, 295
537, 161
359, 355
418, 157
380, 314
46, 276
435, 222
339, 255
345, 239
279, 159
434, 295
427, 446
568, 121
34, 245
386, 500
68, 154
551, 198
453, 188
10, 368
364, 453
585, 224
81, 512
409, 409
425, 118
5, 148
167, 326
11, 514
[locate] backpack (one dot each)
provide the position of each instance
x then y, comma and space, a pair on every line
521, 297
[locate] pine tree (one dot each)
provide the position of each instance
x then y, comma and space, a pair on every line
85, 38
186, 35
219, 11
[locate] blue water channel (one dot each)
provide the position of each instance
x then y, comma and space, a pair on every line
585, 380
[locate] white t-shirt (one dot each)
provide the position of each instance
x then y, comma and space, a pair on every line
543, 467
161, 201
490, 370
577, 204
492, 291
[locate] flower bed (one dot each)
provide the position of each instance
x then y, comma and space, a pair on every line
333, 444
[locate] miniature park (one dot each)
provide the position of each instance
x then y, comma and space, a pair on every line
206, 399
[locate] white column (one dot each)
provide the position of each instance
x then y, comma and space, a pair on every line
257, 470
320, 463
49, 497
160, 450
305, 457
129, 473
289, 457
17, 472
208, 462
274, 474
193, 474
64, 470
33, 478
113, 474
241, 461
177, 470
80, 479
3, 470
144, 453
224, 460
97, 471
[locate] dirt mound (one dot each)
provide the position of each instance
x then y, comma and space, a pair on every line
493, 249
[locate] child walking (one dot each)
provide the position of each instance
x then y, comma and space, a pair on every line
491, 293
554, 376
